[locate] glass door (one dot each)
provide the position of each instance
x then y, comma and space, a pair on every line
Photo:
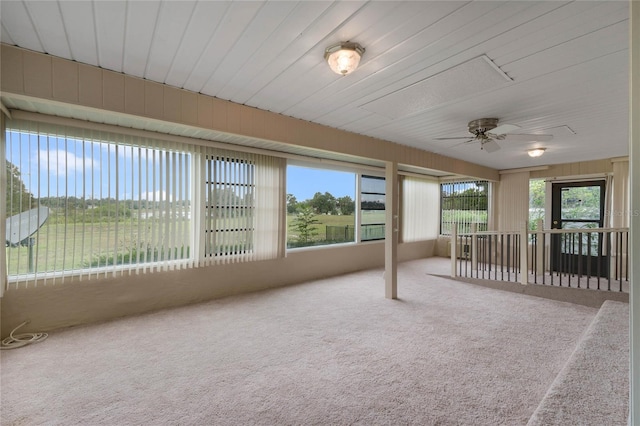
578, 205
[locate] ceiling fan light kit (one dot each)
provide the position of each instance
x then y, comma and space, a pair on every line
343, 58
536, 152
489, 145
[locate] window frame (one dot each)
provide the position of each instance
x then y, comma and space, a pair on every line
162, 179
467, 224
358, 171
361, 210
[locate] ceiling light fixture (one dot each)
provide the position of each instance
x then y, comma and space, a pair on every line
536, 152
343, 58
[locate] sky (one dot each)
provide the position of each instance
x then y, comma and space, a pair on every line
77, 168
55, 167
304, 182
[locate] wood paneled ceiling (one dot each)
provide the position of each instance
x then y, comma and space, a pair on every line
567, 63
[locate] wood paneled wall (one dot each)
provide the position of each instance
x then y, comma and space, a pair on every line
46, 77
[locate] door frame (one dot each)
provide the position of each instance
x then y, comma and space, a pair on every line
591, 265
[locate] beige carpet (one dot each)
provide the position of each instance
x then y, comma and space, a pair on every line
332, 351
593, 386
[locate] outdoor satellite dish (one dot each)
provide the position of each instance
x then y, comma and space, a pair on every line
23, 225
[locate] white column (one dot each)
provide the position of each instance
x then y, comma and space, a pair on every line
454, 249
634, 168
474, 249
391, 231
3, 205
540, 248
524, 254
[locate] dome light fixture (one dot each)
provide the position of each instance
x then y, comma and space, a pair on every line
343, 58
536, 152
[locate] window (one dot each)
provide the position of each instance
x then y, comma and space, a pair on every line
96, 203
464, 203
103, 202
229, 207
536, 201
243, 195
372, 207
320, 206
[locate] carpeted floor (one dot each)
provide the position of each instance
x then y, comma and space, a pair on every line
593, 386
332, 351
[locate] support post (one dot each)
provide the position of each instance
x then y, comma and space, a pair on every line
540, 249
3, 207
474, 248
391, 231
524, 254
454, 250
634, 224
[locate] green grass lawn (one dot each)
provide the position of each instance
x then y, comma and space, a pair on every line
320, 228
331, 220
78, 245
81, 243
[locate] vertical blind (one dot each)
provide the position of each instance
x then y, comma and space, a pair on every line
620, 210
93, 204
420, 209
514, 201
241, 207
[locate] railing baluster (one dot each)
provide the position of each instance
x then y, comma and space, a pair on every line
572, 250
588, 259
467, 253
534, 249
516, 260
579, 258
608, 257
562, 258
502, 257
544, 258
490, 260
495, 245
626, 258
552, 248
619, 259
460, 258
484, 255
599, 257
508, 257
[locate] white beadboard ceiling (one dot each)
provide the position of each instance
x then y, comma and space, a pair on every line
567, 62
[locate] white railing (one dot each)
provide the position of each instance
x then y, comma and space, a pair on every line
592, 258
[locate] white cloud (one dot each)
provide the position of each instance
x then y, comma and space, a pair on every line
62, 163
156, 196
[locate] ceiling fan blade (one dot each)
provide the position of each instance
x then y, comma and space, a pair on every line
450, 139
462, 143
526, 138
504, 128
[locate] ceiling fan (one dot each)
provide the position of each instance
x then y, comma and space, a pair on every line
487, 132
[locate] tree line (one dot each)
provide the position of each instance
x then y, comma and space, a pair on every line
470, 199
322, 204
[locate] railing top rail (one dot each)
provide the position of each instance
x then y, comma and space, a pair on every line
580, 230
547, 231
479, 233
